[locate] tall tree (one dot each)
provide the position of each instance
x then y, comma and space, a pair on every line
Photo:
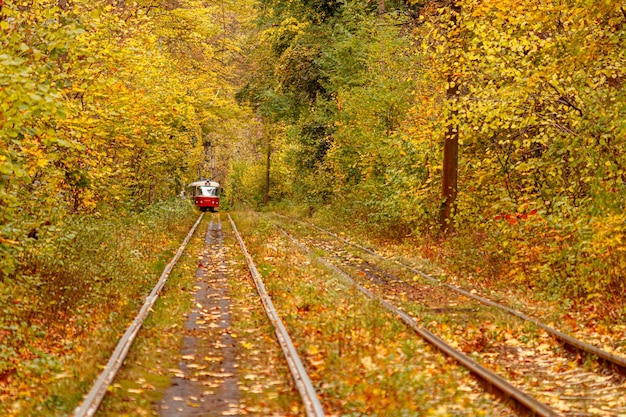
449, 180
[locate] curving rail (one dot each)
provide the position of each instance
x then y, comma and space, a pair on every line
311, 403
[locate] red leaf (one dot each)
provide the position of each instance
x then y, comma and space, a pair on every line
512, 220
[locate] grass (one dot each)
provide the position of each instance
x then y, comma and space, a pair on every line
79, 288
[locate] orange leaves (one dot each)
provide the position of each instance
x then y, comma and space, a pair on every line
513, 219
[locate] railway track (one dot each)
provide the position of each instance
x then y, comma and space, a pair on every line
94, 398
485, 330
614, 361
208, 355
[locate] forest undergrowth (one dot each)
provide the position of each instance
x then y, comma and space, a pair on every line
528, 280
81, 284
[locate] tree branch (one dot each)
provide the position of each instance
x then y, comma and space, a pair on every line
564, 100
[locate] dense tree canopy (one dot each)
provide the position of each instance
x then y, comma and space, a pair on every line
492, 131
105, 106
366, 93
109, 106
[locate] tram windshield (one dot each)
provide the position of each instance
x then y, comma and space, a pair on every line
207, 191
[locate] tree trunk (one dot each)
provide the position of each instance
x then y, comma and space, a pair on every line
451, 141
450, 166
206, 160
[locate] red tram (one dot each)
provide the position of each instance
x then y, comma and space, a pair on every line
205, 194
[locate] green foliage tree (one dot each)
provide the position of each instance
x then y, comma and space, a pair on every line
531, 92
105, 107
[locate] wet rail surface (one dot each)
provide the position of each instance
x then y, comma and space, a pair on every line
541, 367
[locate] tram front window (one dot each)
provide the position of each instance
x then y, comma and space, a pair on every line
208, 191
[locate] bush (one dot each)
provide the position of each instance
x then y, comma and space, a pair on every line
85, 277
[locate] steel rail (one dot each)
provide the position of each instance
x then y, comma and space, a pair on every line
529, 404
95, 396
308, 394
617, 361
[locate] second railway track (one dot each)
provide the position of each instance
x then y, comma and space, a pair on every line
494, 338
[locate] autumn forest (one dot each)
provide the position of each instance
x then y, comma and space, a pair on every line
490, 135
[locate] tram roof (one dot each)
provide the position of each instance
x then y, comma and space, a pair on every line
204, 183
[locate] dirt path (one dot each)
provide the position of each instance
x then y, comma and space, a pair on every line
206, 383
